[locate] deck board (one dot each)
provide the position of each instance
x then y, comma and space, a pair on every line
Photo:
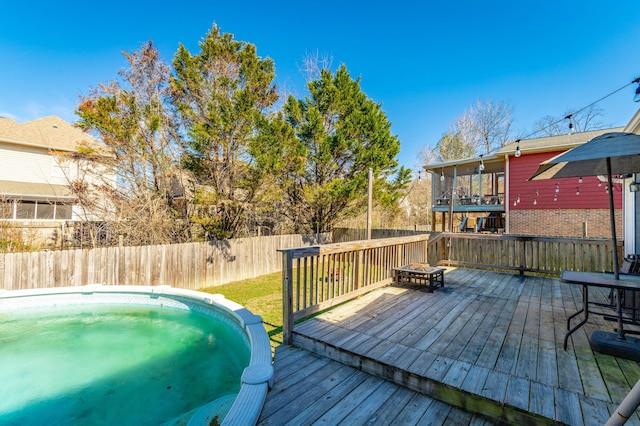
492, 337
333, 393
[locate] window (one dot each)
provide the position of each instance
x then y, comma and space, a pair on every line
38, 210
26, 210
63, 211
45, 210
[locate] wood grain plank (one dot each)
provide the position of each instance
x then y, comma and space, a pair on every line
475, 380
594, 411
350, 400
541, 400
318, 408
527, 363
568, 408
518, 390
547, 369
428, 321
592, 381
495, 386
450, 323
456, 374
317, 386
365, 411
416, 408
389, 410
506, 362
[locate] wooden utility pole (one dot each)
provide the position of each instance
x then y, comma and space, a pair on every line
369, 201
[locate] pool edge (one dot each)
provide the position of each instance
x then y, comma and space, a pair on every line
257, 377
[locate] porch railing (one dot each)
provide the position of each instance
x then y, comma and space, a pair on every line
318, 277
523, 253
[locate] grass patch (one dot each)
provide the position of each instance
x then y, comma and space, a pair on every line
262, 296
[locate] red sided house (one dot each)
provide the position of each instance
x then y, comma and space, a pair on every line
492, 193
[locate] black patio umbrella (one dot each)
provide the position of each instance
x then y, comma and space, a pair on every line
609, 154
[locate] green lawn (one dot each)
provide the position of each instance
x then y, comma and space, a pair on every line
262, 296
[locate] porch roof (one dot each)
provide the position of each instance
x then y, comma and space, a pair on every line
494, 162
34, 191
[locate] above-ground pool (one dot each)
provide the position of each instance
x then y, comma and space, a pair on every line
130, 355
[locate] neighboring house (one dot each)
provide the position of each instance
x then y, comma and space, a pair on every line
36, 167
492, 193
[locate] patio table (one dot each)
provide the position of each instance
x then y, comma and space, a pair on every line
595, 279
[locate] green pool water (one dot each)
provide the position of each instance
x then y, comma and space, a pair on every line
115, 365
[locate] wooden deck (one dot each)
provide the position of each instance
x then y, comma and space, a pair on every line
487, 343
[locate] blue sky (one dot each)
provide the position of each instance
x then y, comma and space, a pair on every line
424, 61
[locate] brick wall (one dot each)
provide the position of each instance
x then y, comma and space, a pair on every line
564, 222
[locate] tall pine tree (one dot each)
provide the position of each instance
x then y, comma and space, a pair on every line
342, 133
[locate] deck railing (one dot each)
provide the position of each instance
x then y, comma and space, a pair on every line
523, 253
318, 277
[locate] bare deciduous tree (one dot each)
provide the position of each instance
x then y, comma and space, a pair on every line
314, 63
586, 119
132, 182
486, 125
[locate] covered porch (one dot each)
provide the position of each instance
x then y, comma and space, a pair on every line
468, 195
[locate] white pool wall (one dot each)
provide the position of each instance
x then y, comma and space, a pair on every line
257, 377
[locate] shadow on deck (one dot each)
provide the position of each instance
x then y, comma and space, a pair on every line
487, 345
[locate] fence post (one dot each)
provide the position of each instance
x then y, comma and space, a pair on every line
287, 296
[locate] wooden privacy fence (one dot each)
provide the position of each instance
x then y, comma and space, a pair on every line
343, 235
190, 266
523, 253
318, 277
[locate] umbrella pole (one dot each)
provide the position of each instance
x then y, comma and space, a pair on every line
616, 269
612, 214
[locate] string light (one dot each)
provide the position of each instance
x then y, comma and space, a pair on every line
537, 193
518, 199
577, 191
555, 197
557, 187
442, 175
535, 201
570, 116
580, 179
481, 167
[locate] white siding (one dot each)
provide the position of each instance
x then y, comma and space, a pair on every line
27, 164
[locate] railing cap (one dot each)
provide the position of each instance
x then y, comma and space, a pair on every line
300, 252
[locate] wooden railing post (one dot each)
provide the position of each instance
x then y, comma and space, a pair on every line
287, 296
357, 270
426, 251
523, 257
